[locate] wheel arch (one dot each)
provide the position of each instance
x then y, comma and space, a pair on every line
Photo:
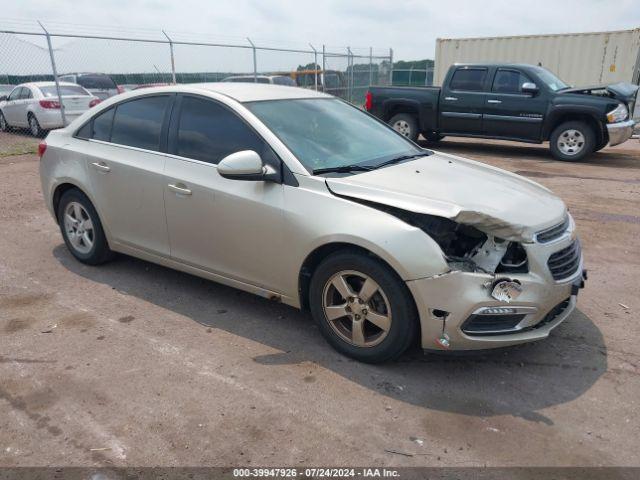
397, 106
596, 125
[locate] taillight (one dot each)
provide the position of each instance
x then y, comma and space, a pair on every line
120, 89
368, 101
49, 104
42, 147
94, 102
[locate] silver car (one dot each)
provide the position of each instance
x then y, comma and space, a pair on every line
299, 197
36, 106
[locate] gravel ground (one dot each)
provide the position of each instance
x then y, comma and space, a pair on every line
135, 364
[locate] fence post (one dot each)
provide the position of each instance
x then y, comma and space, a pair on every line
255, 61
324, 68
55, 74
370, 66
391, 69
173, 62
349, 75
315, 65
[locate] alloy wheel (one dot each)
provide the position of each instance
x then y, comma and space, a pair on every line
356, 308
79, 227
33, 125
571, 142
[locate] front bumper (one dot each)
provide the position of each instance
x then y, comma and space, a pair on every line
620, 132
447, 301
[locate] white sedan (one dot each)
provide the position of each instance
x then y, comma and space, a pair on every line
36, 106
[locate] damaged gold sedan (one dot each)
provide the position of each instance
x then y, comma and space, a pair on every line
301, 198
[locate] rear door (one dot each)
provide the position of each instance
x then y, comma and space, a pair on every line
510, 113
232, 228
125, 167
462, 100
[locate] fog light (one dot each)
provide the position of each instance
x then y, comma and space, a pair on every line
506, 290
498, 311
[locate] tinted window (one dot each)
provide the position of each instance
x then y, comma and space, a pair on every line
69, 90
26, 94
85, 131
209, 132
15, 94
284, 81
103, 82
138, 123
508, 81
102, 125
468, 79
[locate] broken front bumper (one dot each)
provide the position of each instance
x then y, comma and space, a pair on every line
620, 132
449, 302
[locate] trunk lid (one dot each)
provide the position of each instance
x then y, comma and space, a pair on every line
493, 200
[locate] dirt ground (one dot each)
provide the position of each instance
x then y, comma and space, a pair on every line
135, 364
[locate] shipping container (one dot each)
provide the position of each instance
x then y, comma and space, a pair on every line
579, 59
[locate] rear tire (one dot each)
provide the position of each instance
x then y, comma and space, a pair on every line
572, 141
34, 126
81, 228
370, 316
405, 124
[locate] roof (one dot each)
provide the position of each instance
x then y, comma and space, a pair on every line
244, 92
47, 84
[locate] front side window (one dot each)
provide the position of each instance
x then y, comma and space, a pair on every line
138, 123
508, 81
15, 95
328, 133
209, 132
470, 79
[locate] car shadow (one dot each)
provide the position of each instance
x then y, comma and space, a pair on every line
616, 158
517, 381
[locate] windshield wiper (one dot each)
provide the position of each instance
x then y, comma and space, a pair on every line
397, 160
342, 169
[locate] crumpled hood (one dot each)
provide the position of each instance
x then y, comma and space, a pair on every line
492, 200
623, 91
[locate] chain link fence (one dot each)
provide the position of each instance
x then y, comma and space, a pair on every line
32, 52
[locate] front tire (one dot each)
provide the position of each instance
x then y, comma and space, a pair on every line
364, 310
405, 124
81, 228
34, 126
572, 141
4, 126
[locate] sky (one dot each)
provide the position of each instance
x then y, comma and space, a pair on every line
410, 27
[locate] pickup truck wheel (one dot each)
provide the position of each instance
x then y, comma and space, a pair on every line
572, 141
405, 124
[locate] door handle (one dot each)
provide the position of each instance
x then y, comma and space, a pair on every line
451, 99
494, 101
101, 166
179, 188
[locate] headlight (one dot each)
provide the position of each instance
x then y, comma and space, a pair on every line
618, 114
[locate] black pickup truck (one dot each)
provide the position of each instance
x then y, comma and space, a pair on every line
511, 102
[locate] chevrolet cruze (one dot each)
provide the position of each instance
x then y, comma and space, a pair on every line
304, 199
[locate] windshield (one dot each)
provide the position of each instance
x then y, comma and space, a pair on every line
328, 133
553, 82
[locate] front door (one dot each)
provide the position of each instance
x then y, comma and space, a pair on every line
510, 113
12, 109
125, 167
232, 228
461, 101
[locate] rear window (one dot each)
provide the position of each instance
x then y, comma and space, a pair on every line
64, 90
284, 81
103, 82
471, 79
138, 123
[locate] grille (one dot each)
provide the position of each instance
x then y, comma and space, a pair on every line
565, 262
491, 324
550, 234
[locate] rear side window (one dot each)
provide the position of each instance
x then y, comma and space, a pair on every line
66, 90
209, 132
25, 94
471, 79
508, 81
138, 123
102, 125
102, 82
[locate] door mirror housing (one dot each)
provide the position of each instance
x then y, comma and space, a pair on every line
244, 165
3, 98
530, 88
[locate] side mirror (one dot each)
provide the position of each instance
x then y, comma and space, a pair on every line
3, 98
244, 165
529, 87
